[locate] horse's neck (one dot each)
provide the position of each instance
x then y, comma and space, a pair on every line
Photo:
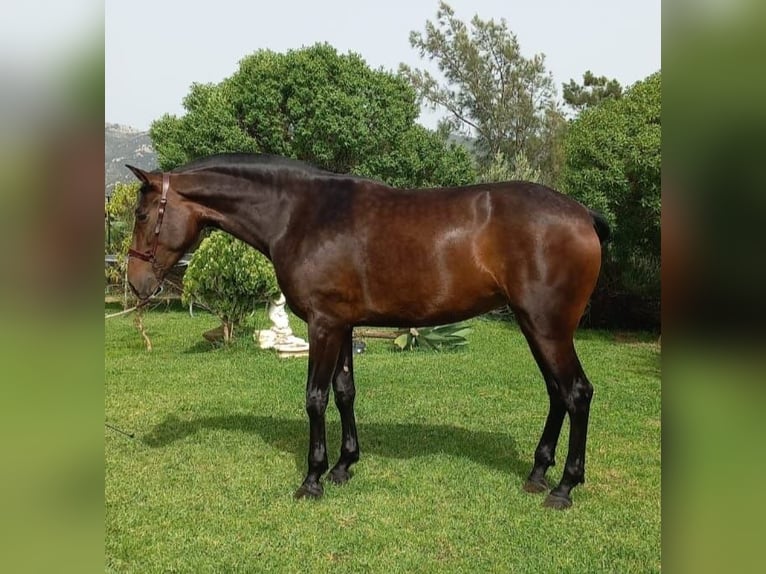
249, 211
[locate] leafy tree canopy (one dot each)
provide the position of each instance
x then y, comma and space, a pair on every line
313, 104
592, 91
490, 89
613, 159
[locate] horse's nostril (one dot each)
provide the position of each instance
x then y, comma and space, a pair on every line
144, 287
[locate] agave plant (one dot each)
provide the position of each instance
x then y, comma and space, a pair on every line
436, 338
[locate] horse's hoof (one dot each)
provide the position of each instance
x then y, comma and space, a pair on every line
339, 475
311, 490
536, 486
557, 501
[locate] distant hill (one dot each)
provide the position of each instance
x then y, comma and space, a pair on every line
123, 144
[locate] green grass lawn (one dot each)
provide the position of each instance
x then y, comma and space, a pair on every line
446, 438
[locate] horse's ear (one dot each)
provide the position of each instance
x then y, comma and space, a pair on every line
140, 174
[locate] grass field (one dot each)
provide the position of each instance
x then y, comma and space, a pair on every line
447, 440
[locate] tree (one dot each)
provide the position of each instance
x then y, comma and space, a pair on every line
490, 89
613, 160
503, 170
319, 106
591, 92
229, 277
120, 211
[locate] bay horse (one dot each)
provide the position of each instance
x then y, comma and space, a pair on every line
350, 251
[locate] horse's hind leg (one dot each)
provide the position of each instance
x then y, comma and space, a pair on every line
344, 391
545, 452
569, 391
577, 396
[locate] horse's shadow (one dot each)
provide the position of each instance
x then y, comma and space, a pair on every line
494, 450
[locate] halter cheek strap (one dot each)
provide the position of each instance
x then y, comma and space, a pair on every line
149, 255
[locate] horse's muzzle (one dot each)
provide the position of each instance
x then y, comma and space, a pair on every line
146, 289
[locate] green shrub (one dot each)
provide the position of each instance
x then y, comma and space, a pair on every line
438, 338
230, 278
502, 169
120, 210
613, 165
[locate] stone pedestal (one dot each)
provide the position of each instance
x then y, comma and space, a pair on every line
280, 336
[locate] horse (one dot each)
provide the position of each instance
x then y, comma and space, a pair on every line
350, 251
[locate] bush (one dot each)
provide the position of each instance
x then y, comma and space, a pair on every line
501, 169
230, 278
613, 166
120, 210
442, 337
313, 104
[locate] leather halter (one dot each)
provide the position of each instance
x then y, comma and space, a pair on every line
149, 255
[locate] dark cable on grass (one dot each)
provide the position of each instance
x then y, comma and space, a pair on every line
114, 428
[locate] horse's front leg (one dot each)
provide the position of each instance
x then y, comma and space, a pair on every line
344, 391
325, 343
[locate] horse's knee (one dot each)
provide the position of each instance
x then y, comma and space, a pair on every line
316, 403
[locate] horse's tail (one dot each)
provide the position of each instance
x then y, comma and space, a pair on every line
601, 225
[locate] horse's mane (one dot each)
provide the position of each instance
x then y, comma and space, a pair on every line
237, 164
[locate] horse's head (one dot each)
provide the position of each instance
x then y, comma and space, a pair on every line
166, 226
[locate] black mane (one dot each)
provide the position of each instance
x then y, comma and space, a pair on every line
237, 164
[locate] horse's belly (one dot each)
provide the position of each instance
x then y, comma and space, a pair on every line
420, 303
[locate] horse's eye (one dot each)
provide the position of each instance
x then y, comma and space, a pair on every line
141, 216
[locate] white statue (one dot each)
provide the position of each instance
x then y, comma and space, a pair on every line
280, 337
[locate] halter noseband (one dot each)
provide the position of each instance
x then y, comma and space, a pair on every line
149, 255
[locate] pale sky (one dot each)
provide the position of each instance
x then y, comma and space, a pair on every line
155, 49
